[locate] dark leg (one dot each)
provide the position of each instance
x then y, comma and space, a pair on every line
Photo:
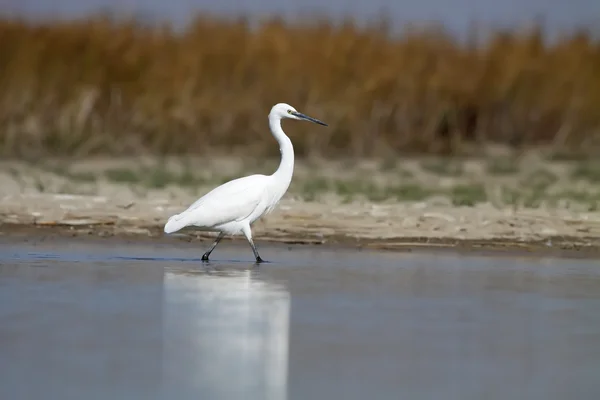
256, 255
216, 242
248, 233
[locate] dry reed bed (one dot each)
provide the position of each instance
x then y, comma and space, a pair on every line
98, 86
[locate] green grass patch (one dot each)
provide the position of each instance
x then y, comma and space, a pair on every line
351, 189
539, 180
311, 188
122, 175
589, 171
510, 196
468, 195
534, 187
502, 166
410, 192
444, 167
64, 171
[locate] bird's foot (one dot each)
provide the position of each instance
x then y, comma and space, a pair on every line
205, 257
259, 260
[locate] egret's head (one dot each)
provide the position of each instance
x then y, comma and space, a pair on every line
283, 110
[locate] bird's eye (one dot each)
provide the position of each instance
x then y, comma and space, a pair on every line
289, 111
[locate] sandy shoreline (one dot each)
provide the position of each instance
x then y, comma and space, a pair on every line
398, 226
116, 198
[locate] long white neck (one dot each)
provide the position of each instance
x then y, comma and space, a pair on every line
286, 166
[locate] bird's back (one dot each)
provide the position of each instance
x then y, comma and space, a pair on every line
234, 201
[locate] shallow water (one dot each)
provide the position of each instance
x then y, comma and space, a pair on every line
108, 320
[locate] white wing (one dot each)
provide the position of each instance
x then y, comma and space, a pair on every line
232, 201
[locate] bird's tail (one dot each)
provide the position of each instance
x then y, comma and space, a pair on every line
175, 223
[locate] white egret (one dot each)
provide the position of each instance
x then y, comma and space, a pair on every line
232, 207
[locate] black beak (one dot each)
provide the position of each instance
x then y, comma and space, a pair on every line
307, 118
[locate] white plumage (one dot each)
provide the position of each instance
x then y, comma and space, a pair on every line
232, 207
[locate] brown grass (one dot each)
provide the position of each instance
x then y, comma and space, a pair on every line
98, 86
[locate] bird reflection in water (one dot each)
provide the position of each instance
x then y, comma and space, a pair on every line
226, 333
